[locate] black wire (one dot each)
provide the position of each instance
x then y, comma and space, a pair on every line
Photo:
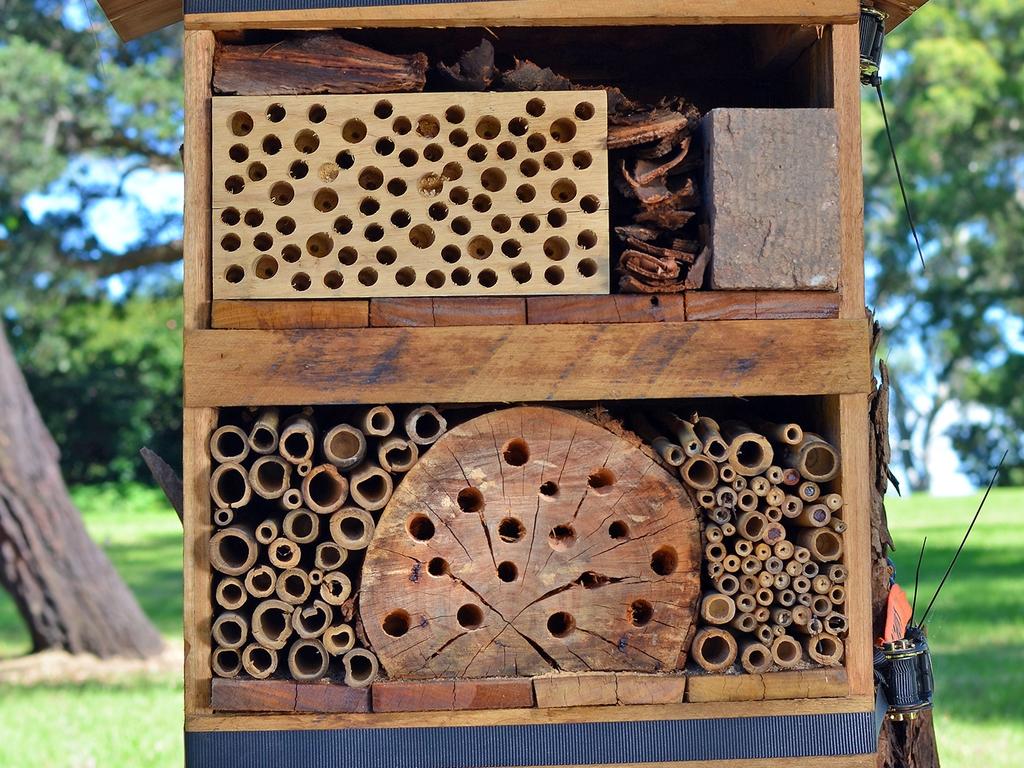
917, 580
960, 549
877, 82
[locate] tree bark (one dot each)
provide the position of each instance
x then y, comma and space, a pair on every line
911, 743
65, 588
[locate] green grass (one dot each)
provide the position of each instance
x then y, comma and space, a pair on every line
976, 629
976, 632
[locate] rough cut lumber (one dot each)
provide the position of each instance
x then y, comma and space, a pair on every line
808, 684
286, 313
586, 689
790, 305
197, 286
617, 308
591, 555
530, 362
427, 695
493, 694
649, 689
426, 312
331, 697
772, 196
319, 62
721, 305
253, 695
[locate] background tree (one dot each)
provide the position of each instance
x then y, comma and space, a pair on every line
956, 99
87, 125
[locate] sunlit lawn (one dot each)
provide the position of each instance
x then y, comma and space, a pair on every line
976, 631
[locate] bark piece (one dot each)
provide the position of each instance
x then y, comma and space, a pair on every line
331, 697
527, 76
530, 540
644, 127
319, 62
474, 71
772, 180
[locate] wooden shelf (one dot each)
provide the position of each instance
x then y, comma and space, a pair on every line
526, 363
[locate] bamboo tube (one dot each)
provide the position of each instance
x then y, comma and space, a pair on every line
833, 501
713, 534
774, 514
790, 476
714, 649
397, 455
259, 661
824, 649
684, 434
786, 597
284, 553
715, 569
747, 500
774, 474
744, 622
670, 453
763, 614
837, 573
786, 434
742, 547
720, 515
777, 630
329, 556
324, 490
738, 484
814, 458
261, 581
724, 495
223, 517
229, 445
301, 526
312, 620
378, 421
339, 639
823, 543
811, 569
229, 486
263, 436
272, 624
307, 660
424, 425
837, 594
716, 608
809, 491
764, 634
765, 579
344, 446
783, 549
793, 568
270, 476
728, 529
226, 662
786, 652
749, 584
701, 473
726, 474
727, 584
838, 525
774, 532
230, 630
292, 499
755, 658
293, 586
335, 588
821, 606
764, 596
782, 617
801, 615
760, 486
792, 506
731, 563
801, 554
230, 593
715, 552
804, 598
820, 584
361, 667
812, 627
835, 623
707, 432
316, 577
706, 499
762, 551
267, 531
745, 603
749, 453
370, 487
298, 439
750, 565
814, 516
233, 550
782, 580
751, 525
352, 528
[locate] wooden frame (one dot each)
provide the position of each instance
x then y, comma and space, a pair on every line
669, 358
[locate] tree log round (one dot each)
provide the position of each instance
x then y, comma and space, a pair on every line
530, 540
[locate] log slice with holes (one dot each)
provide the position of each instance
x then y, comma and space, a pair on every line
530, 540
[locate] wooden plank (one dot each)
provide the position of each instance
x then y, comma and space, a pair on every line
898, 10
527, 363
425, 313
632, 688
544, 13
618, 308
271, 315
721, 305
792, 305
494, 694
135, 18
806, 684
433, 695
581, 690
197, 287
253, 695
683, 711
199, 424
331, 697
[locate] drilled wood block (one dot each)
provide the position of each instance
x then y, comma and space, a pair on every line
528, 540
631, 688
424, 312
410, 195
581, 690
229, 695
772, 193
618, 308
331, 697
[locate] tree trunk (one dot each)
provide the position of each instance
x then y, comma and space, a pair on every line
908, 744
64, 586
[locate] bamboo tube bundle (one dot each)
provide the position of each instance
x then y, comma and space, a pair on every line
261, 581
684, 434
301, 526
814, 458
271, 624
293, 586
267, 531
233, 550
716, 608
826, 650
671, 453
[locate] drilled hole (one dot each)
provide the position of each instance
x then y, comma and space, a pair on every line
562, 537
452, 171
396, 623
461, 225
421, 528
402, 125
253, 217
438, 566
470, 500
459, 196
522, 273
387, 256
482, 203
405, 277
231, 242
368, 276
374, 233
480, 247
526, 193
582, 160
529, 223
461, 276
436, 278
266, 267
563, 130
371, 178
282, 193
561, 624
325, 200
455, 114
263, 242
234, 184
382, 110
664, 561
640, 613
344, 160
563, 190
348, 255
353, 131
529, 168
511, 530
401, 218
458, 138
590, 204
433, 152
518, 126
477, 153
451, 254
535, 107
319, 245
549, 488
556, 248
384, 146
421, 236
285, 225
553, 161
536, 142
501, 224
554, 275
557, 218
601, 478
301, 281
291, 253
470, 616
488, 278
257, 172
342, 225
239, 153
230, 216
438, 211
506, 150
585, 110
618, 529
587, 267
271, 144
317, 113
234, 274
241, 124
